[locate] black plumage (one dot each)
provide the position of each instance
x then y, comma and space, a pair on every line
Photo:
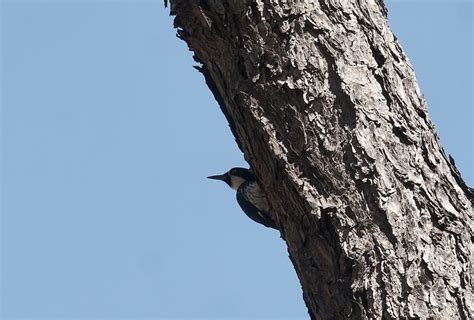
254, 204
249, 195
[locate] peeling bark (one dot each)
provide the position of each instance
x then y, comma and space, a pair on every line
326, 108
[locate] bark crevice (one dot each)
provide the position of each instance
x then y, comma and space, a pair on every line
325, 107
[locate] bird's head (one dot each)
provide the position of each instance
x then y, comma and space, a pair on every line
235, 177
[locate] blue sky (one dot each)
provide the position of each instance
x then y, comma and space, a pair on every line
108, 134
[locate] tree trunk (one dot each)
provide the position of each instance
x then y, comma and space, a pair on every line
324, 104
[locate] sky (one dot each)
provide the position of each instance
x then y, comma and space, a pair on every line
107, 135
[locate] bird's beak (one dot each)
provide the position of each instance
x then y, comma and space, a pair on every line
221, 177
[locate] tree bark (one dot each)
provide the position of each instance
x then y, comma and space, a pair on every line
325, 106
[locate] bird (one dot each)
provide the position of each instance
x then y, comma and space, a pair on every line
249, 195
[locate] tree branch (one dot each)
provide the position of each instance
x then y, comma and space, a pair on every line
325, 106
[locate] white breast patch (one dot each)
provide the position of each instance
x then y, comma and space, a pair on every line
254, 195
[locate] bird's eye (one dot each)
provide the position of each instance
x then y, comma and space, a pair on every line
232, 172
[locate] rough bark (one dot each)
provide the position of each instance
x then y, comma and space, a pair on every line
325, 106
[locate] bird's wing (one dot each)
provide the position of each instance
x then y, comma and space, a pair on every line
254, 203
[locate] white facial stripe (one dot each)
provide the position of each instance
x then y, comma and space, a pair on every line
235, 182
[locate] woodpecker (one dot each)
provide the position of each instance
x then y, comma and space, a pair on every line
249, 195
